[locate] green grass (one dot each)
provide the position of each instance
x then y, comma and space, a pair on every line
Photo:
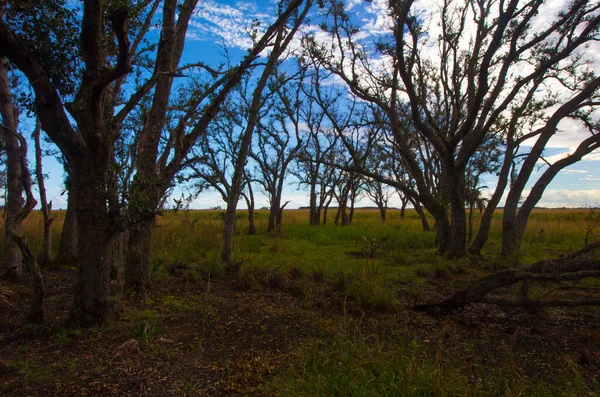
355, 364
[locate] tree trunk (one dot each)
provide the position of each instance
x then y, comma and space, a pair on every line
234, 196
91, 299
229, 228
46, 256
138, 259
251, 225
273, 213
36, 309
250, 204
351, 212
419, 209
470, 223
314, 213
403, 209
117, 264
510, 243
519, 223
279, 218
67, 249
13, 260
486, 219
382, 213
458, 229
442, 233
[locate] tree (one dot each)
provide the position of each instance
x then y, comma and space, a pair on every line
13, 262
88, 149
279, 142
282, 40
314, 167
486, 73
376, 190
215, 155
36, 309
157, 167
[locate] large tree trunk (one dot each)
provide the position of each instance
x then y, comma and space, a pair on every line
91, 299
138, 259
13, 261
117, 264
229, 227
273, 213
251, 225
458, 230
67, 249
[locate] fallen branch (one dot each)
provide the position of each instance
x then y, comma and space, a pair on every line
568, 268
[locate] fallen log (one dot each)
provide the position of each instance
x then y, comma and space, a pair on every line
568, 268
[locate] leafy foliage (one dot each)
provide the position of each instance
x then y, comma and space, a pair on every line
50, 29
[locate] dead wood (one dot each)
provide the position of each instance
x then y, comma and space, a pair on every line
568, 268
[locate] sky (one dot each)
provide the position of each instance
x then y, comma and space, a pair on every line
221, 24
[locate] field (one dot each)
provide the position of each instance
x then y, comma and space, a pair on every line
314, 311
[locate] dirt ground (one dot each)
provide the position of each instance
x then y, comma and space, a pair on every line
218, 338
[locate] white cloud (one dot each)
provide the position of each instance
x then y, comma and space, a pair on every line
232, 24
570, 198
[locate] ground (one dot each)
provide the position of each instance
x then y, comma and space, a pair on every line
224, 337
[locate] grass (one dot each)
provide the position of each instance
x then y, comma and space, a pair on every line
352, 363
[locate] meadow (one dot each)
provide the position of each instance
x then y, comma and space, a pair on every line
314, 311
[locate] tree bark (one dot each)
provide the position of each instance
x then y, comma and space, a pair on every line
116, 257
13, 260
274, 212
91, 299
458, 229
138, 258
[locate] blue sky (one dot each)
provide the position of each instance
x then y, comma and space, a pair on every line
219, 24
